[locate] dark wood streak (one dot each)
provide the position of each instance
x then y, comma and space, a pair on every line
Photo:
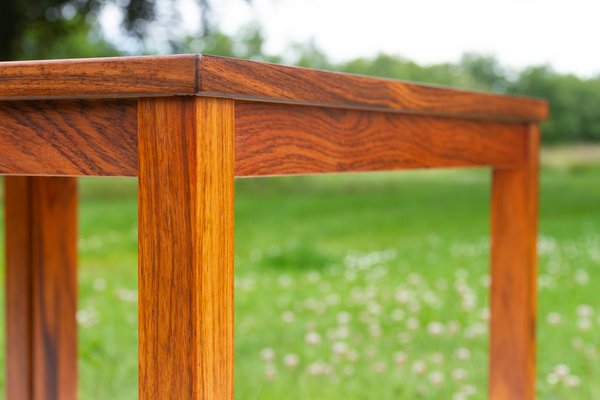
250, 80
69, 137
289, 139
41, 296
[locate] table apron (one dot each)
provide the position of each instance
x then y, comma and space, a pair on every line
98, 137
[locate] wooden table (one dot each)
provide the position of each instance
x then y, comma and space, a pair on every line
186, 126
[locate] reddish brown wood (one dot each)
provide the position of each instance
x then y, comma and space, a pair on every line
243, 79
99, 77
186, 248
276, 139
41, 288
99, 138
514, 274
68, 137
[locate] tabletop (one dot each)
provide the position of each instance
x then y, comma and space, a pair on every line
205, 75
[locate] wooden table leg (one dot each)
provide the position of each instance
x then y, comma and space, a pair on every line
186, 188
514, 274
41, 288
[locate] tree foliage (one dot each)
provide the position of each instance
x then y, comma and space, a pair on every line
574, 103
53, 28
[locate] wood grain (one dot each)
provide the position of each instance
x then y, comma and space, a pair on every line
41, 288
186, 248
99, 138
276, 139
68, 137
243, 79
99, 77
514, 274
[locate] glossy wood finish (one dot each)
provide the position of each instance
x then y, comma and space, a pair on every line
186, 192
241, 79
276, 139
99, 138
69, 137
99, 77
41, 288
514, 274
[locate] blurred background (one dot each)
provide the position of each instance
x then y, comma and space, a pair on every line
363, 286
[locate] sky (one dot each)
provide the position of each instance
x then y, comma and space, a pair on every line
562, 33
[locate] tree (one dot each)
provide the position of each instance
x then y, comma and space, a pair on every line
36, 28
484, 72
247, 43
574, 103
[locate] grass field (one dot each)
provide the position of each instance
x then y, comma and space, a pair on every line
359, 286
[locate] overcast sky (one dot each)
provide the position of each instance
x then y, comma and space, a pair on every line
563, 33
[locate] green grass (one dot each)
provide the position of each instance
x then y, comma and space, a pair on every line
359, 286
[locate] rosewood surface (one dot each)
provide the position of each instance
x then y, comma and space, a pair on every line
69, 137
241, 79
283, 139
41, 288
186, 249
514, 275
